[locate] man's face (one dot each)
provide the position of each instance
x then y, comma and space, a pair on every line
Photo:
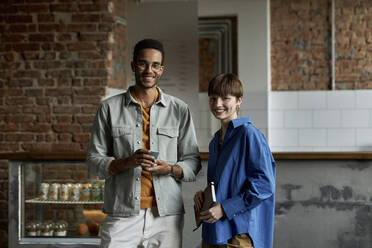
147, 68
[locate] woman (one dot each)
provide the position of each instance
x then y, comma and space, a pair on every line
243, 170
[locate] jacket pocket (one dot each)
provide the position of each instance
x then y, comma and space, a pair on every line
168, 144
122, 140
122, 130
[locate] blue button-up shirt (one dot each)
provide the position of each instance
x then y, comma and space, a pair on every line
244, 175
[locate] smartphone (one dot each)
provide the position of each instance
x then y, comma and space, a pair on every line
155, 155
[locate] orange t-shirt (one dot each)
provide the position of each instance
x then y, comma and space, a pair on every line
147, 187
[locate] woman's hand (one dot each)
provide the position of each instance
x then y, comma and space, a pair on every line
213, 214
198, 201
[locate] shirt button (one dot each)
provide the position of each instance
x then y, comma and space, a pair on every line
136, 197
138, 125
138, 142
137, 179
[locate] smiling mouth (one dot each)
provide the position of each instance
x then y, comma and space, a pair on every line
147, 78
219, 111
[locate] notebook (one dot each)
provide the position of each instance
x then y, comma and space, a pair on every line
209, 195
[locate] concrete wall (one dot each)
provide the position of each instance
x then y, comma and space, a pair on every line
323, 204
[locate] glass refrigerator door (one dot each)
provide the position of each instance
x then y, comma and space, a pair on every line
54, 202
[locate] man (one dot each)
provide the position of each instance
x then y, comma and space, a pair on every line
143, 198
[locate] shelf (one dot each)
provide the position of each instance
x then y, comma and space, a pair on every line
39, 201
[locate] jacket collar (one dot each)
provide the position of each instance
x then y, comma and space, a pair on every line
163, 99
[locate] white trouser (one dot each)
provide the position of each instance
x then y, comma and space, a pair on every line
147, 230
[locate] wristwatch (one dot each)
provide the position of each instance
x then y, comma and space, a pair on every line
171, 173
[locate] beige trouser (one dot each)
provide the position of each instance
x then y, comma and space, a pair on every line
147, 230
239, 241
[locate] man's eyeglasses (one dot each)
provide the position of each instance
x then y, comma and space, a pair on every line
142, 65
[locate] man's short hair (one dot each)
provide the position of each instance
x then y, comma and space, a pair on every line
148, 43
225, 84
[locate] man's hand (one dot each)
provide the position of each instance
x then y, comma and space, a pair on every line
213, 214
140, 157
162, 168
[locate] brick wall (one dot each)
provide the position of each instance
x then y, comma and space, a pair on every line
300, 41
353, 47
301, 44
57, 58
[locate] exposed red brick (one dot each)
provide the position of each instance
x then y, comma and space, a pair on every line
81, 28
45, 17
26, 47
65, 137
93, 37
27, 74
63, 7
64, 37
41, 37
81, 138
45, 82
38, 128
14, 137
33, 8
66, 128
93, 7
8, 127
86, 18
19, 19
52, 27
37, 147
58, 92
66, 110
81, 46
90, 55
18, 100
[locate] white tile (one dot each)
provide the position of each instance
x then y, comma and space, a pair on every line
327, 149
327, 118
312, 137
297, 119
357, 149
257, 100
364, 99
288, 149
355, 118
283, 137
341, 137
364, 137
312, 100
276, 119
283, 100
259, 117
344, 99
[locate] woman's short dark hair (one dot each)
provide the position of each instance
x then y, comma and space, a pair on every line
225, 84
148, 43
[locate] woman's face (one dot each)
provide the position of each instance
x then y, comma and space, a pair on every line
224, 108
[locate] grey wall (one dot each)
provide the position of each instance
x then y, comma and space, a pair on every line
322, 204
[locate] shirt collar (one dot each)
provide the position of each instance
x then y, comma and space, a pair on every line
240, 121
129, 98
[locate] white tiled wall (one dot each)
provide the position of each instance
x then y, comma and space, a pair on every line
320, 120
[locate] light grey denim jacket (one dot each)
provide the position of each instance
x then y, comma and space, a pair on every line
117, 133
